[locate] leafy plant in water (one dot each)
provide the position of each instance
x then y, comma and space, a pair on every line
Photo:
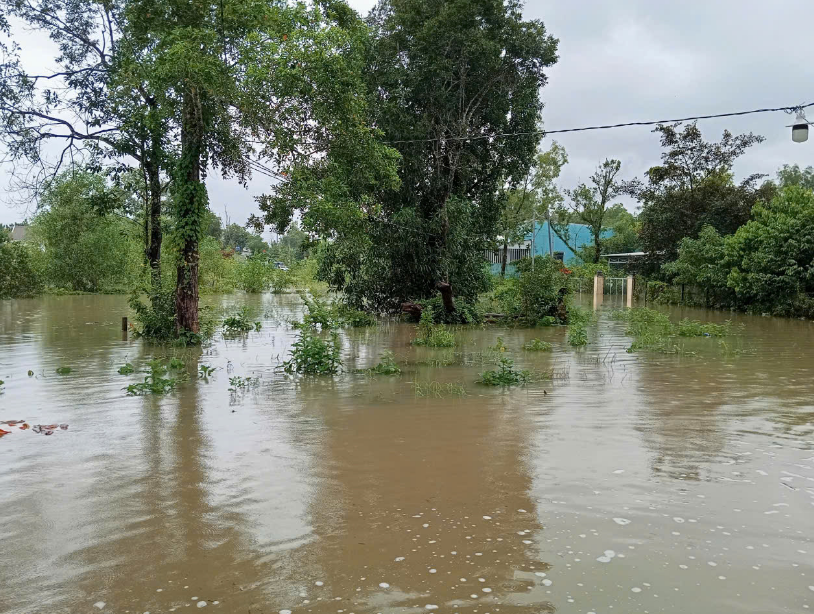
652, 330
694, 328
63, 370
30, 373
313, 355
204, 371
155, 382
433, 335
547, 321
176, 363
506, 375
127, 369
577, 334
387, 365
536, 345
499, 346
238, 383
239, 322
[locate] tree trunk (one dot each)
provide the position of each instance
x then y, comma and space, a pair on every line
597, 247
446, 295
190, 208
154, 214
505, 258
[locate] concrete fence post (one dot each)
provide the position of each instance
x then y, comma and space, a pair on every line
630, 290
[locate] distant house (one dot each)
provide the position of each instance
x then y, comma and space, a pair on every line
19, 232
547, 241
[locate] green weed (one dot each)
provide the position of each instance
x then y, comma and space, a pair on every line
63, 370
204, 371
433, 335
535, 345
506, 375
127, 369
239, 322
438, 390
155, 382
176, 363
387, 365
239, 383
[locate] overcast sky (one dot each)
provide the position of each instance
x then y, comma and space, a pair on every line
638, 60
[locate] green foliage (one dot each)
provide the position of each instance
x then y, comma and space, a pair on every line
772, 255
314, 355
625, 227
219, 271
589, 203
155, 382
577, 334
21, 272
438, 390
653, 330
239, 322
694, 328
255, 275
85, 249
582, 275
433, 335
547, 321
279, 280
387, 365
155, 320
63, 370
499, 346
333, 315
536, 345
466, 312
176, 363
204, 371
436, 73
238, 383
126, 369
694, 188
701, 261
542, 289
793, 175
506, 375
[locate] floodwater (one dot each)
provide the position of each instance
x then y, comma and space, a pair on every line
630, 483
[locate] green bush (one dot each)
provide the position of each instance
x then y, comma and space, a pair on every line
542, 291
155, 319
255, 275
577, 334
20, 270
387, 365
506, 375
313, 355
218, 272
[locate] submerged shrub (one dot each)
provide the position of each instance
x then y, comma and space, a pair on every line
314, 355
433, 335
20, 272
239, 322
387, 365
155, 382
536, 345
506, 375
652, 330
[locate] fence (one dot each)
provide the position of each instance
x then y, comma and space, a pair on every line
495, 256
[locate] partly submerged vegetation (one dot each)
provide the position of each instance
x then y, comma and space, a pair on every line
653, 330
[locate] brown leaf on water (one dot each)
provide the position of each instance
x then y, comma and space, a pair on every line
64, 427
50, 427
24, 427
2, 432
12, 422
49, 432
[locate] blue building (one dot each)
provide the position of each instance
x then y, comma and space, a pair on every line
547, 241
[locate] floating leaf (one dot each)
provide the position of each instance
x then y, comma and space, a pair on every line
127, 369
2, 432
63, 370
30, 373
12, 422
24, 427
64, 427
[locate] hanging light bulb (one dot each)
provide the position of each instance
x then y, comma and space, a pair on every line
799, 129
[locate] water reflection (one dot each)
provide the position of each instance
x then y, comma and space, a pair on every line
690, 479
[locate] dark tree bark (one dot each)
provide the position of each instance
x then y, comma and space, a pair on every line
504, 258
155, 236
446, 295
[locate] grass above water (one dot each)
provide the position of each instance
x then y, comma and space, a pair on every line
652, 330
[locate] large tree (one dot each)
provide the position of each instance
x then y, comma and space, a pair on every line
92, 106
692, 188
588, 203
447, 79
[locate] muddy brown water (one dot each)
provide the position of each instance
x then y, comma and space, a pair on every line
631, 483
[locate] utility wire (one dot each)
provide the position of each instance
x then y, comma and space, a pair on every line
789, 109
